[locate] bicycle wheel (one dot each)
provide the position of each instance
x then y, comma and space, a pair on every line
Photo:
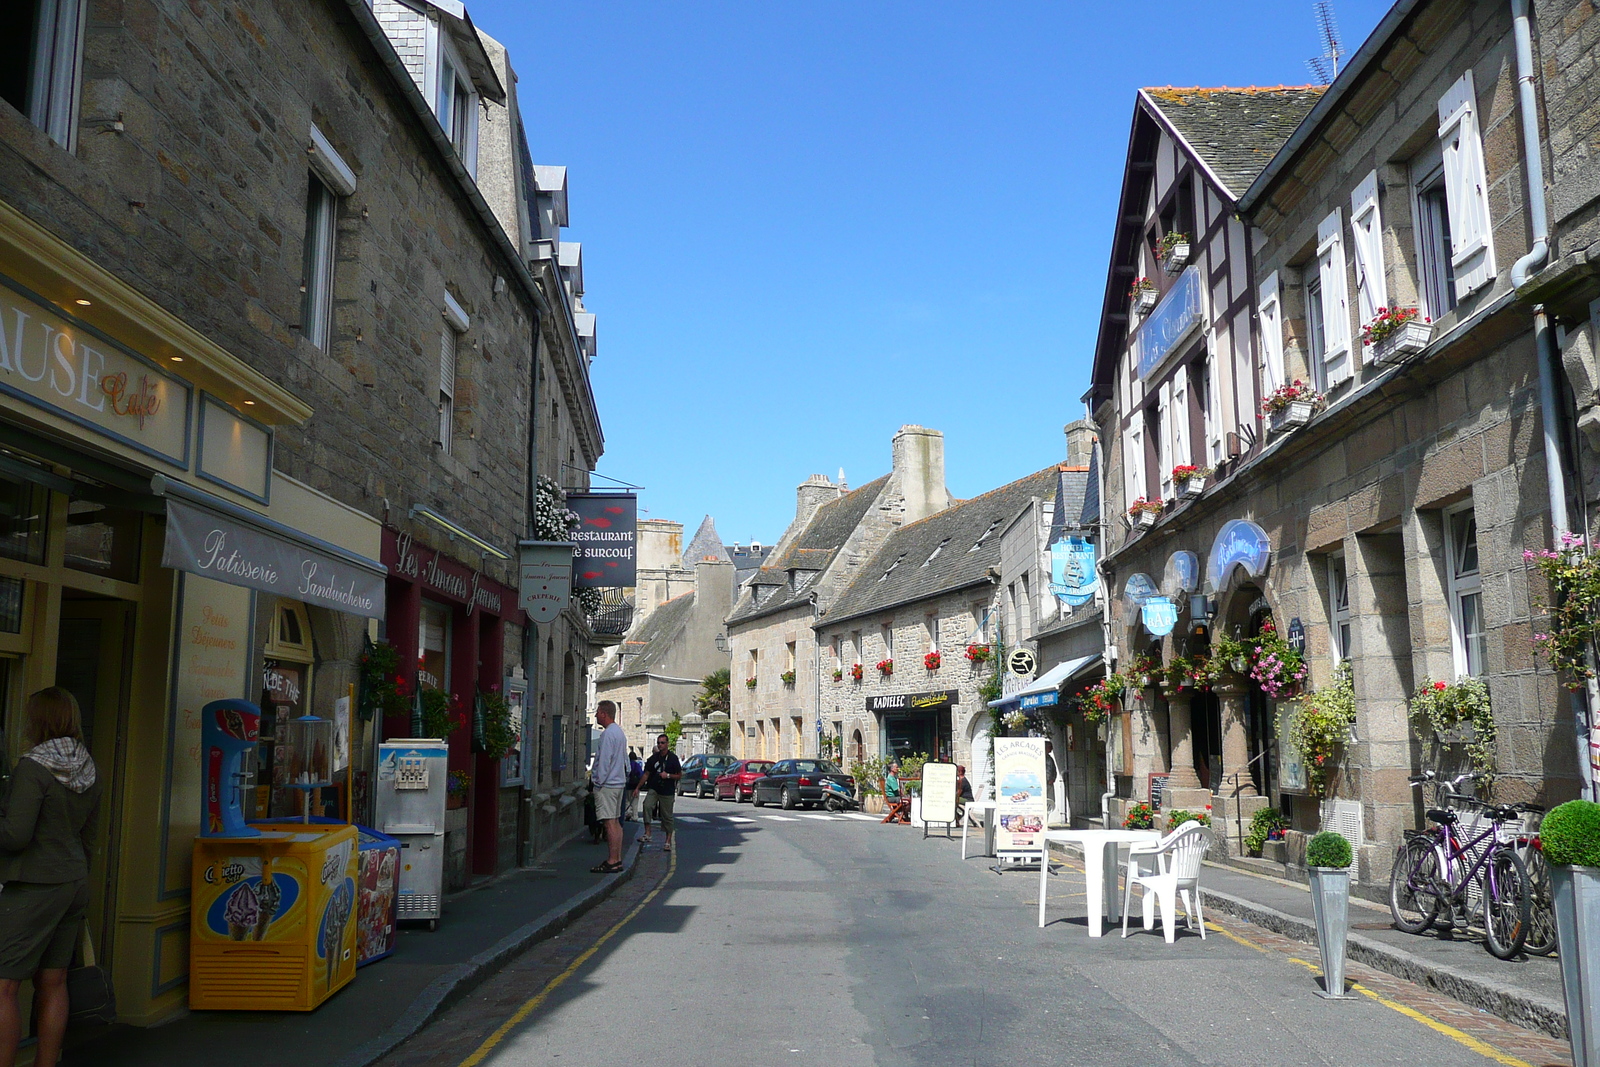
1541, 905
1505, 904
1413, 898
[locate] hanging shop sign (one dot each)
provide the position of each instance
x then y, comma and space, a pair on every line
545, 578
1182, 574
935, 700
53, 361
1159, 615
204, 542
1021, 801
1179, 312
1073, 578
1297, 635
444, 577
607, 538
1022, 662
1240, 543
1135, 591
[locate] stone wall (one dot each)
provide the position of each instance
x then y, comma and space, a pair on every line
773, 708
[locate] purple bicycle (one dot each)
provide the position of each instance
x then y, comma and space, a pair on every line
1439, 877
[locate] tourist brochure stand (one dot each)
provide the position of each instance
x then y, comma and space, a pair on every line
939, 796
1021, 805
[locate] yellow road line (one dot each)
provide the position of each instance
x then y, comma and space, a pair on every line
532, 1004
1480, 1047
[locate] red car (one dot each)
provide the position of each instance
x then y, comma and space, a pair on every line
739, 781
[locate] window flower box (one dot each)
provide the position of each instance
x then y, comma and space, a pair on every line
1291, 406
1176, 258
750, 683
1143, 295
1291, 416
855, 672
1406, 340
1190, 480
838, 674
787, 677
1142, 513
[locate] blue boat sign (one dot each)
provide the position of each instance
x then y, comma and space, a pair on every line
1073, 577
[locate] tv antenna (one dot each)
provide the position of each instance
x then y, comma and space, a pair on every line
1326, 66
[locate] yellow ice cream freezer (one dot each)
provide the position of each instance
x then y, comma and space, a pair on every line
272, 918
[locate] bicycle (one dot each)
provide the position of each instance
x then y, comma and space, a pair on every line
1541, 904
1435, 870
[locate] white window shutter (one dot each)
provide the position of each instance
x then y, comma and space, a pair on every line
1366, 233
1164, 459
1271, 313
1213, 414
1466, 189
447, 363
1133, 460
1335, 300
1180, 417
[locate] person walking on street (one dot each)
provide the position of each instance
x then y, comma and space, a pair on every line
45, 832
661, 773
635, 780
610, 778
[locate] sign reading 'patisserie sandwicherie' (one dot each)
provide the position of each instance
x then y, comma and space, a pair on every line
51, 360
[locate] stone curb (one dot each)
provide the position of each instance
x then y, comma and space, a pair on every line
1527, 1010
461, 979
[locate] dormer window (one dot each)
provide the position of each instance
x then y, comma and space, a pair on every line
892, 566
979, 542
455, 103
935, 553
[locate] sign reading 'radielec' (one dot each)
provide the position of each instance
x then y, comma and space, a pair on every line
607, 538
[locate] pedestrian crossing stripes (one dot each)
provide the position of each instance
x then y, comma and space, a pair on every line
738, 818
779, 818
859, 815
816, 815
691, 818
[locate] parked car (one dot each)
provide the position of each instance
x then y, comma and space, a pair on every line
700, 773
736, 782
797, 783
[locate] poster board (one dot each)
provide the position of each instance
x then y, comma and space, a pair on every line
938, 794
1022, 803
1291, 768
1158, 790
341, 734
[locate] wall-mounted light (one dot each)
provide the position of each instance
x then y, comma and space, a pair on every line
81, 302
722, 642
455, 531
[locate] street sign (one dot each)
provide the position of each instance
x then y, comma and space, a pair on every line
1022, 661
1297, 635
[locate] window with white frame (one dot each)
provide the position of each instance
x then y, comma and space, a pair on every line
448, 341
1339, 605
1209, 401
886, 632
838, 652
1178, 413
316, 313
1270, 318
455, 102
41, 61
1465, 590
1435, 275
1334, 293
1366, 243
1316, 335
931, 622
1163, 434
1025, 607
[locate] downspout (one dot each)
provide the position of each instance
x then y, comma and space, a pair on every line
1544, 343
1103, 596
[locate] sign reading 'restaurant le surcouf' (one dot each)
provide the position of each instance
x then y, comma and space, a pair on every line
51, 360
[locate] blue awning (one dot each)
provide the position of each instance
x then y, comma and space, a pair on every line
1049, 681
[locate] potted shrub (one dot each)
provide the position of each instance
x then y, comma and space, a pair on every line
1570, 838
932, 661
1143, 295
1395, 333
1267, 824
1142, 513
1291, 406
1190, 480
1328, 859
1140, 817
1173, 248
886, 667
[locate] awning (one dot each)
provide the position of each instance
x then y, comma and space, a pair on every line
1049, 681
215, 539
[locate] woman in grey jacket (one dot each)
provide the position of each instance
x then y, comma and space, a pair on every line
44, 864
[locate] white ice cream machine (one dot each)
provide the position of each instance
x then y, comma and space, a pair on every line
413, 776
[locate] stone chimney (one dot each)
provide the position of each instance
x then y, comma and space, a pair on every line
814, 492
713, 588
1081, 436
660, 544
919, 467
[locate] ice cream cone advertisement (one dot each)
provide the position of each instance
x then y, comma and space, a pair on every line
248, 897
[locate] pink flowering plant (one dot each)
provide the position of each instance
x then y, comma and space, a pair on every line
1387, 321
1141, 284
1296, 391
1572, 573
1277, 668
1141, 506
1170, 240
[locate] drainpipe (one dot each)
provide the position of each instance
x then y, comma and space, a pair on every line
1544, 342
1103, 595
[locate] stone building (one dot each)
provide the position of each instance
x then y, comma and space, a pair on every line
257, 244
775, 690
1388, 530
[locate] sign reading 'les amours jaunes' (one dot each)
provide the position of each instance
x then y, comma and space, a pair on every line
544, 571
204, 543
50, 360
455, 581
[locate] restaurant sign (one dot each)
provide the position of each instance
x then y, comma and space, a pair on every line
206, 543
1179, 312
53, 361
545, 577
607, 537
1073, 577
1241, 543
443, 576
936, 700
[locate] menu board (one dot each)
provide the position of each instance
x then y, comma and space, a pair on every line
1021, 801
938, 792
212, 642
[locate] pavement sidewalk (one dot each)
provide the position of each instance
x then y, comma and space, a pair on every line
1525, 991
390, 1000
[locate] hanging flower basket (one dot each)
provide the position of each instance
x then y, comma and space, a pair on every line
886, 667
979, 654
838, 674
855, 672
932, 661
787, 677
750, 682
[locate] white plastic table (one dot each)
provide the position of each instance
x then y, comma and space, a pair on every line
1099, 871
987, 807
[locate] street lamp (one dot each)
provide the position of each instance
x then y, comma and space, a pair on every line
722, 642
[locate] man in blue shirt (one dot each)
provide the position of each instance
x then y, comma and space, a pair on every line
609, 778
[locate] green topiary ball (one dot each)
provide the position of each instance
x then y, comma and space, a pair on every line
1328, 849
1570, 834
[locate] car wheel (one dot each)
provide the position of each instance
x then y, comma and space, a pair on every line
789, 798
755, 798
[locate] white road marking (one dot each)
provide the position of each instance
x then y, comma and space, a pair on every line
779, 818
738, 818
691, 818
859, 815
817, 815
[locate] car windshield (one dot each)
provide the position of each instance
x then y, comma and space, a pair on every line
761, 766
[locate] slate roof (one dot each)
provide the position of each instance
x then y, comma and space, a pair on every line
906, 569
705, 543
813, 550
1235, 131
642, 652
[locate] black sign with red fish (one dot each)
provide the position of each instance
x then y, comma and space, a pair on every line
607, 538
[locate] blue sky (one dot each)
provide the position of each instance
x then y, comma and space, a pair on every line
805, 225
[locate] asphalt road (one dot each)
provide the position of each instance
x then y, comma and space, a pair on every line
789, 938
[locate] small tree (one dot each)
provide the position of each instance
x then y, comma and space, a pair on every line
674, 730
713, 695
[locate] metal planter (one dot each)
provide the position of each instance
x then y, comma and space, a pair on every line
1577, 908
1330, 903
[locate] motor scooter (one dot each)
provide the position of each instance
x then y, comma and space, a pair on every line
836, 797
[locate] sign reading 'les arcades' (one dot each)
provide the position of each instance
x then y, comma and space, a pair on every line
52, 361
607, 535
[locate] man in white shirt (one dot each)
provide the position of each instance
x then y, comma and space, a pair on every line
609, 777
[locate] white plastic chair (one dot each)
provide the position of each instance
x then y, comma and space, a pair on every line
1174, 865
970, 817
